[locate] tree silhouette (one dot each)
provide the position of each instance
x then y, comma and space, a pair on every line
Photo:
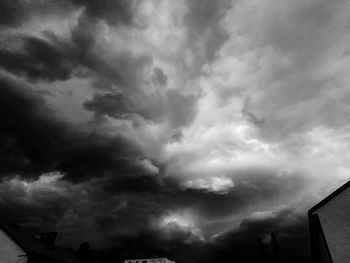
270, 252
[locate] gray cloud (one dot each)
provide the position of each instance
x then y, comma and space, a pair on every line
205, 31
38, 59
111, 11
212, 124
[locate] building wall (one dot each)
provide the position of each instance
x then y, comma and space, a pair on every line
10, 252
335, 220
320, 253
149, 260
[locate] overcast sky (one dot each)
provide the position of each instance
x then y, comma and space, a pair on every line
183, 128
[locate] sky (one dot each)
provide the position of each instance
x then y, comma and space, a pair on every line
179, 128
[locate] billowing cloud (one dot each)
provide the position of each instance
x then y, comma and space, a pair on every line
35, 58
188, 129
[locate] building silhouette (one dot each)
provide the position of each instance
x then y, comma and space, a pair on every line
149, 260
329, 223
16, 246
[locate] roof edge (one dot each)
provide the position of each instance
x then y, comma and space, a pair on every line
4, 228
329, 197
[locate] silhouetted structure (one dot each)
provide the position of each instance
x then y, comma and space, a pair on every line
48, 239
17, 246
149, 260
85, 254
329, 223
271, 251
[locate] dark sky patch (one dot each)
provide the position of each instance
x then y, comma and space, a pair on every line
240, 244
38, 59
14, 13
11, 12
34, 141
28, 132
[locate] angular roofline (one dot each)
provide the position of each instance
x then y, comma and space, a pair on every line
30, 252
329, 198
4, 228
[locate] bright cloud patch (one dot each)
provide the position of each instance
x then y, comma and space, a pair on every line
215, 184
174, 223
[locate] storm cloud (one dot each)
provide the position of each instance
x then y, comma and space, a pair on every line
189, 129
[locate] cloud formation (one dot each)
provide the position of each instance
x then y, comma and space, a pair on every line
187, 128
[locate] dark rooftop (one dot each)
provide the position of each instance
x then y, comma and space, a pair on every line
34, 247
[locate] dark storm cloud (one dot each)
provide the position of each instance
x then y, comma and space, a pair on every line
253, 188
154, 197
15, 12
36, 59
107, 222
34, 141
110, 188
88, 211
151, 244
122, 206
114, 105
42, 206
10, 12
238, 245
241, 244
121, 74
51, 58
28, 134
135, 197
96, 156
177, 108
127, 223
